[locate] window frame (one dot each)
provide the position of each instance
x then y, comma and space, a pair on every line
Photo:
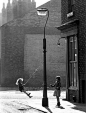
73, 61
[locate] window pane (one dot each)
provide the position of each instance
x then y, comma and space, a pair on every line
75, 74
70, 51
70, 74
69, 6
75, 39
73, 50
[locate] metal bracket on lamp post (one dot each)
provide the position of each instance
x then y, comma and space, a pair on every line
58, 43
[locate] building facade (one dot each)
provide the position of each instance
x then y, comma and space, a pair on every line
22, 48
73, 28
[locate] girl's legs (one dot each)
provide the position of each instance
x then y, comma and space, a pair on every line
58, 101
28, 94
22, 90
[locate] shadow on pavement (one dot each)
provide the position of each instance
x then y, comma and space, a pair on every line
31, 109
77, 106
56, 107
80, 107
48, 109
60, 107
27, 108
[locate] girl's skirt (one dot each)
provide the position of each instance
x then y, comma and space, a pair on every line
56, 93
21, 88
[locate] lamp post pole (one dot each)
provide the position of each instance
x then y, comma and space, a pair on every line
44, 99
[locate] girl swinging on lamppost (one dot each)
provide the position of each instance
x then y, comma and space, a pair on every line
20, 84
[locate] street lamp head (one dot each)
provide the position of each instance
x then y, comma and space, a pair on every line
42, 11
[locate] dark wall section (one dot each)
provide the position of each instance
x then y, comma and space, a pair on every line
12, 54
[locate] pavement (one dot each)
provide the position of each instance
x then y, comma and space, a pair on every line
17, 102
66, 107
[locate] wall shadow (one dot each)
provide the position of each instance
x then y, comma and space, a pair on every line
80, 107
77, 106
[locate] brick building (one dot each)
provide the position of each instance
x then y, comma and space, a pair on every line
73, 28
22, 48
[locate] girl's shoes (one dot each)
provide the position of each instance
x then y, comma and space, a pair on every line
29, 95
58, 104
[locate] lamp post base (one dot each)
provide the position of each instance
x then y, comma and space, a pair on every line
45, 102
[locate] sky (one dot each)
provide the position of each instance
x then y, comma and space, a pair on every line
38, 2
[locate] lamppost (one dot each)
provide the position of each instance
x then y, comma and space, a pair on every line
44, 12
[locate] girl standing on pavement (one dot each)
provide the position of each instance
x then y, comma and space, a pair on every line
57, 86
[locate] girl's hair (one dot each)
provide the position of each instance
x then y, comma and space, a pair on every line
58, 77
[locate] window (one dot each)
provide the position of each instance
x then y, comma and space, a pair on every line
73, 60
71, 5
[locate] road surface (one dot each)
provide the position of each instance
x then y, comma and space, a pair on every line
18, 102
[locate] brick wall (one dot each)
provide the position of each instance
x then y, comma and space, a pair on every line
12, 54
13, 46
33, 59
22, 53
79, 13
